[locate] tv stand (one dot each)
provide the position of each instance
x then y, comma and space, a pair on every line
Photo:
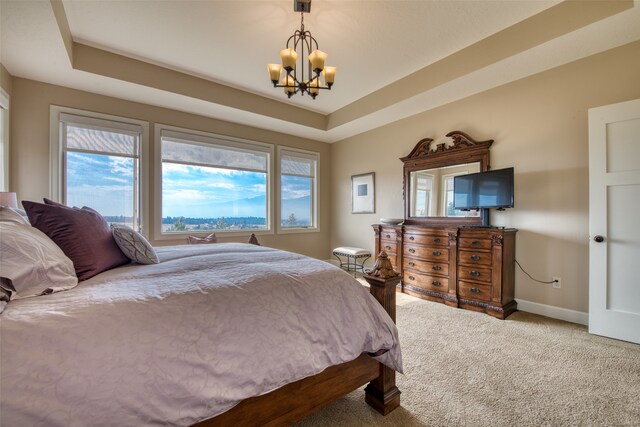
485, 217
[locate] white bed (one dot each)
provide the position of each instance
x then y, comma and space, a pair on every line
181, 341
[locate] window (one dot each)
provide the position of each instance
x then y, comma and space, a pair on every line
97, 163
423, 187
4, 141
447, 182
298, 189
209, 183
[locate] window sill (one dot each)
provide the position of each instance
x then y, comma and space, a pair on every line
218, 233
298, 230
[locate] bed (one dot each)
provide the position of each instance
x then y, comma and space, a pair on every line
218, 334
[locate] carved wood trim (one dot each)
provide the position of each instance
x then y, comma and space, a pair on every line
421, 149
461, 141
461, 150
253, 240
444, 296
496, 239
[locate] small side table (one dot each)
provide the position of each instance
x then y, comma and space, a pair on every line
352, 255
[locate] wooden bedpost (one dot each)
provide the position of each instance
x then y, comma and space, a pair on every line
382, 394
253, 240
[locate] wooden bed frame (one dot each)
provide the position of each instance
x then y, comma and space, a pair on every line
299, 399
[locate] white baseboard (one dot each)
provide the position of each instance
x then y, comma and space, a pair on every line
565, 314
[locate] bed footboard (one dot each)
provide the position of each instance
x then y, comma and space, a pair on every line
297, 400
382, 394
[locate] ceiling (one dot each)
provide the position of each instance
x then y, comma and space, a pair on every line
394, 58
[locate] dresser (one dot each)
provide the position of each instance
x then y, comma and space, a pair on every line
467, 267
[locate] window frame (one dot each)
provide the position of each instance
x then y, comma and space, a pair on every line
57, 156
201, 137
315, 196
4, 139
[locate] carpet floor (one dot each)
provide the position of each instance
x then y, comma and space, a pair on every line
468, 369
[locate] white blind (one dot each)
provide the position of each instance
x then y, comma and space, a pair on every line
298, 164
205, 152
102, 136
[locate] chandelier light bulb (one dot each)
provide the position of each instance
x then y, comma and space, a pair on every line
274, 71
289, 58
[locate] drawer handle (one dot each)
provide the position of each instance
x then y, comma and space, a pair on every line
475, 242
436, 240
437, 253
474, 273
412, 251
474, 258
437, 268
388, 247
412, 278
435, 283
475, 290
388, 236
412, 238
412, 264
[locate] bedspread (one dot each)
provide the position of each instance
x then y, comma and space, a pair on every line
183, 340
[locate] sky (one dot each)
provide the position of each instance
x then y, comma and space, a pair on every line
105, 184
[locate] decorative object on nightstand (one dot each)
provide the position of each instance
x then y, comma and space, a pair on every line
352, 254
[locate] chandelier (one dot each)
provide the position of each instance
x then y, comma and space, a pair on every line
301, 45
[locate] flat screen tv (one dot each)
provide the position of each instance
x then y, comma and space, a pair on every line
484, 190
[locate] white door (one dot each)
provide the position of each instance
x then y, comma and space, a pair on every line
614, 221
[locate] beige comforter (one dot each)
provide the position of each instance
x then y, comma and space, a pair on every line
181, 341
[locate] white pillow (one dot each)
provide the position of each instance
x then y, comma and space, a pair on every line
33, 263
134, 245
11, 215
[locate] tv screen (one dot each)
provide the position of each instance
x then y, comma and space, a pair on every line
491, 189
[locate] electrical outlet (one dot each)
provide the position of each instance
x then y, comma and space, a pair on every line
557, 282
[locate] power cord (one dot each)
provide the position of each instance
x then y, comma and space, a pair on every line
535, 280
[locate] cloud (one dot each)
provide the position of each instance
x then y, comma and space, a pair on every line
121, 180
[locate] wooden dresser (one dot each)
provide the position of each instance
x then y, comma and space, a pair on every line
466, 267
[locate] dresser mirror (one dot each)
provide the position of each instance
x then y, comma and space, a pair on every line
432, 191
428, 179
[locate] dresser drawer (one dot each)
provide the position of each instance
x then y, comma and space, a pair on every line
427, 239
429, 253
475, 258
474, 291
475, 273
388, 246
470, 242
432, 283
426, 266
387, 234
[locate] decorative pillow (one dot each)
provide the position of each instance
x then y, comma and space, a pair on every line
82, 234
31, 263
134, 245
12, 215
211, 238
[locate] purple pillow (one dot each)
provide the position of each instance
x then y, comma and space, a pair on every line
82, 234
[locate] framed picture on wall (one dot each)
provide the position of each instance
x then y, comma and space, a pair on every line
363, 193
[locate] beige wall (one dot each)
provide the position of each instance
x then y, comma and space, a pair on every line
30, 106
6, 80
540, 127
